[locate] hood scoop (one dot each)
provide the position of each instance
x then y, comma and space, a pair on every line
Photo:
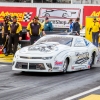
44, 47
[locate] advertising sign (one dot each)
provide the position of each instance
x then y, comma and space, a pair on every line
24, 14
91, 11
59, 16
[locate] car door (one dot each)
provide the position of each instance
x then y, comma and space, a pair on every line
81, 51
90, 48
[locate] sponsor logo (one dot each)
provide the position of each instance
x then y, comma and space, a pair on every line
94, 13
19, 15
81, 57
72, 67
81, 68
23, 16
59, 63
55, 68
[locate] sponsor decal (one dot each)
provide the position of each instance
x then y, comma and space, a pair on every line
59, 63
20, 16
81, 68
81, 57
55, 68
72, 67
59, 16
24, 14
88, 66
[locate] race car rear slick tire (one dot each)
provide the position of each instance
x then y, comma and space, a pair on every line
65, 66
92, 59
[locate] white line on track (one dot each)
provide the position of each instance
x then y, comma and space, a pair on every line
2, 65
83, 93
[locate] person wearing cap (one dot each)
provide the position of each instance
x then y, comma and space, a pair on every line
76, 26
34, 29
71, 25
5, 32
10, 19
95, 28
48, 25
15, 35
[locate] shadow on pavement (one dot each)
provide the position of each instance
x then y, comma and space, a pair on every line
42, 74
38, 74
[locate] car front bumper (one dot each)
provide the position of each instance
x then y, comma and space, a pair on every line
36, 66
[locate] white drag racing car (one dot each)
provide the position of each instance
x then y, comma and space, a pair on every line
56, 53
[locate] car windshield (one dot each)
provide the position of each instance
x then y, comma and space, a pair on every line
60, 39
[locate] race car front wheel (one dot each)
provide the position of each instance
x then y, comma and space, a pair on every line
65, 66
92, 59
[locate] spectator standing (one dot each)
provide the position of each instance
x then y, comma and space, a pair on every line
15, 35
34, 29
76, 26
10, 19
48, 25
71, 25
5, 32
95, 28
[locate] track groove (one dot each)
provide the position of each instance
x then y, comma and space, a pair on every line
40, 86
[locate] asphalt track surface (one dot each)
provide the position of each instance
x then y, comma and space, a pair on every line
16, 85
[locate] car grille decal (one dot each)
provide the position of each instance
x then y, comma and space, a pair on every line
30, 57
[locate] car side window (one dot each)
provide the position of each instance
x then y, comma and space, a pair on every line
79, 42
86, 42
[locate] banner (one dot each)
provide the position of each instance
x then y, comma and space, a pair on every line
59, 16
24, 14
91, 11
